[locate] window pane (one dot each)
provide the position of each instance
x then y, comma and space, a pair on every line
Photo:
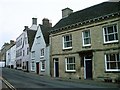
111, 37
70, 60
71, 66
67, 38
87, 41
116, 36
69, 44
70, 63
118, 57
111, 33
115, 28
86, 37
106, 38
113, 65
68, 67
105, 30
70, 37
118, 65
43, 64
110, 29
112, 57
67, 41
108, 66
86, 33
65, 45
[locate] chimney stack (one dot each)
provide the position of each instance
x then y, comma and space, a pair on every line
12, 42
66, 12
45, 22
34, 21
26, 27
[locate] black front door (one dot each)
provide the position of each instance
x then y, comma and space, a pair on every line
88, 69
56, 67
37, 67
27, 66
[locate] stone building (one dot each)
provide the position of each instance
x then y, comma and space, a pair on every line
86, 44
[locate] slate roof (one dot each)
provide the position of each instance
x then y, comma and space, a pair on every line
31, 35
95, 11
45, 31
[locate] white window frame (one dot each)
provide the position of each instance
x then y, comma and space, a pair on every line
111, 61
83, 38
42, 52
27, 50
110, 33
66, 63
70, 35
33, 55
43, 61
33, 68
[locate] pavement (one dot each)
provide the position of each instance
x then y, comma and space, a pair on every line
84, 81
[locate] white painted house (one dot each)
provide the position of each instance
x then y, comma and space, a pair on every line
11, 57
40, 61
23, 46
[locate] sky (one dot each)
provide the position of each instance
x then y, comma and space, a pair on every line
15, 14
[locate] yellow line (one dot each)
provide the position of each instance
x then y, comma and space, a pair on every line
0, 78
8, 84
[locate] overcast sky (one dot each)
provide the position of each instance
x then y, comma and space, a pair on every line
15, 14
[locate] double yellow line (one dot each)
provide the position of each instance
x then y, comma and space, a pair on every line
7, 84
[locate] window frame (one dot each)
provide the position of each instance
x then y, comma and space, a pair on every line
43, 69
33, 64
66, 64
106, 61
70, 41
33, 55
42, 52
113, 33
83, 38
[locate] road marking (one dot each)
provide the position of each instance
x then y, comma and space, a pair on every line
8, 84
0, 78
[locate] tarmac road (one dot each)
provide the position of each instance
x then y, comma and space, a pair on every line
20, 79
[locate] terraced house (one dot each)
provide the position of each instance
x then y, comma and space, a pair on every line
23, 46
40, 62
86, 44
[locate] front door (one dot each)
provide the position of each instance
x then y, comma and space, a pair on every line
88, 67
56, 67
37, 67
27, 66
